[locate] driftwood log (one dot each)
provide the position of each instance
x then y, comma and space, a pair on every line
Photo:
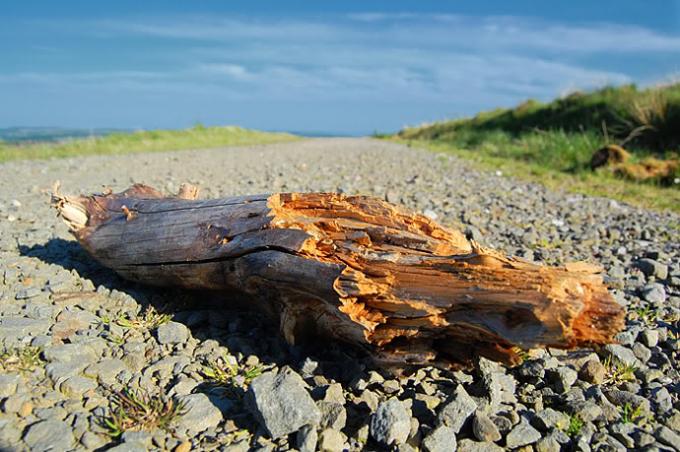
353, 268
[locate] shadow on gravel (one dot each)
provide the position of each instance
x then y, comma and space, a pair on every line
215, 315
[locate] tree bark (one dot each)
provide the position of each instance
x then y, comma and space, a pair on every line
352, 268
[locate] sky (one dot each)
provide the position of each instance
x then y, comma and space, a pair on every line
336, 67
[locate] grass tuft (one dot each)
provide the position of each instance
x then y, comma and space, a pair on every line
24, 360
137, 410
575, 425
230, 378
631, 414
198, 137
149, 320
618, 372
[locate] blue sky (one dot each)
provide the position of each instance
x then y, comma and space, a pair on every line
345, 67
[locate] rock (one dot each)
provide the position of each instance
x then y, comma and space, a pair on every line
66, 353
458, 410
172, 333
547, 444
651, 267
13, 329
621, 354
281, 403
306, 439
667, 436
199, 414
77, 385
92, 441
593, 372
621, 398
562, 378
653, 293
8, 384
468, 445
649, 337
333, 415
331, 440
522, 435
548, 418
106, 370
441, 439
49, 435
484, 429
128, 447
391, 423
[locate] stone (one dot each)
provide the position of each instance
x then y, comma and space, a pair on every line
281, 403
650, 267
106, 370
458, 410
653, 293
593, 372
548, 418
172, 333
547, 444
650, 338
562, 378
199, 414
330, 440
333, 415
521, 435
8, 384
129, 447
621, 398
77, 386
391, 423
667, 436
441, 439
92, 441
621, 354
306, 439
66, 353
484, 429
468, 445
13, 329
49, 435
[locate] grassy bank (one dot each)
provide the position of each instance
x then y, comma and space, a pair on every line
553, 143
198, 137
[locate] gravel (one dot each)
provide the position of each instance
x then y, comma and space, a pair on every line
95, 335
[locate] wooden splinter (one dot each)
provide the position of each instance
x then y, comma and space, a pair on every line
352, 268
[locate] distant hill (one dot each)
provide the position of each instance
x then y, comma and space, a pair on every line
36, 134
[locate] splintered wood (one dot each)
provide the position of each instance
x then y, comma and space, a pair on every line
352, 268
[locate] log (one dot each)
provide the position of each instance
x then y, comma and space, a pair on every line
351, 268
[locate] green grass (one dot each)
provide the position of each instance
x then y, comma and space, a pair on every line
575, 425
552, 143
24, 360
197, 137
228, 378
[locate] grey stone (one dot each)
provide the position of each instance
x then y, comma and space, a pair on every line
8, 384
142, 437
621, 398
199, 414
548, 418
106, 370
547, 444
77, 385
59, 371
333, 415
483, 428
306, 439
391, 423
653, 293
129, 447
468, 445
13, 329
441, 439
49, 435
331, 440
92, 441
281, 403
667, 436
621, 354
651, 267
562, 378
66, 353
649, 337
458, 410
521, 435
172, 333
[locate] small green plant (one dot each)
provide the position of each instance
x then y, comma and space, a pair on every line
229, 377
137, 410
618, 372
647, 315
24, 360
631, 414
575, 425
149, 320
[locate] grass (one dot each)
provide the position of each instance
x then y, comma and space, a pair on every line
575, 425
149, 320
230, 378
631, 414
24, 360
553, 142
618, 372
198, 137
137, 410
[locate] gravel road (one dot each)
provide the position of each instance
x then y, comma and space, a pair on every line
73, 335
